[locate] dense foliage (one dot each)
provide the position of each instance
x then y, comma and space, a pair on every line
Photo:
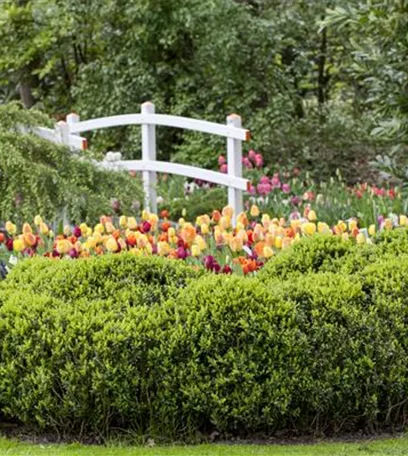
308, 83
37, 176
145, 344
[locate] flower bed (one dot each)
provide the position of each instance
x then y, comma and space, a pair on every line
212, 242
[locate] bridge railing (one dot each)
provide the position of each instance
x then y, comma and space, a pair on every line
68, 133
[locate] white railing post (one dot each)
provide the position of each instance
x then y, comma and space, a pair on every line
149, 154
63, 135
234, 163
73, 119
63, 132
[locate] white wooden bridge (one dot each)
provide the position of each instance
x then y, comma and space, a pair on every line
68, 133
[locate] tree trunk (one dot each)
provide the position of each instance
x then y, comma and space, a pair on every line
26, 95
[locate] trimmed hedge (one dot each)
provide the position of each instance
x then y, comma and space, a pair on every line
152, 346
310, 254
126, 277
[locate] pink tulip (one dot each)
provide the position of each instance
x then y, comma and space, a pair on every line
224, 168
264, 180
259, 161
275, 181
252, 155
246, 162
221, 160
285, 188
252, 190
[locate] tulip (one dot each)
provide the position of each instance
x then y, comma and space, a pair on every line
112, 244
267, 252
254, 211
76, 231
146, 226
224, 168
73, 253
63, 246
38, 220
403, 220
309, 228
205, 229
228, 211
371, 230
11, 228
131, 223
18, 245
195, 251
312, 216
221, 160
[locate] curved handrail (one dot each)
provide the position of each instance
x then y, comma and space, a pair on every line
164, 120
181, 170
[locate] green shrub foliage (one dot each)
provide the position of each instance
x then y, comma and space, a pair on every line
39, 177
126, 277
147, 345
308, 255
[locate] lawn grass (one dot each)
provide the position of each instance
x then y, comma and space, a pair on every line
394, 447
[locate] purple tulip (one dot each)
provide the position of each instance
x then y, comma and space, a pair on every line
77, 232
73, 253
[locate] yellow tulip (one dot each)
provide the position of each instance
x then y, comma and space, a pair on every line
235, 244
267, 252
18, 245
204, 228
342, 226
361, 239
43, 229
123, 221
278, 242
228, 211
352, 224
132, 223
309, 228
11, 228
195, 251
200, 242
99, 227
225, 222
323, 228
163, 248
388, 224
312, 216
109, 227
84, 228
371, 230
112, 245
38, 220
403, 220
242, 234
265, 220
63, 246
67, 230
254, 211
145, 215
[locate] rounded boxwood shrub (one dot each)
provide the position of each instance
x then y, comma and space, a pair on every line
136, 279
220, 352
310, 254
